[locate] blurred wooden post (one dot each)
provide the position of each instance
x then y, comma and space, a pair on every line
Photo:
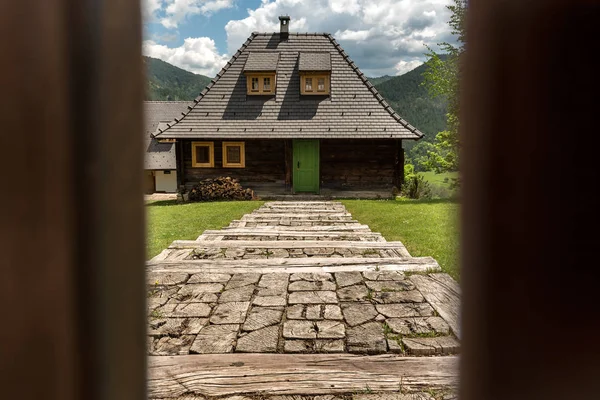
529, 213
72, 222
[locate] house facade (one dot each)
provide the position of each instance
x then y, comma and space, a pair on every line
291, 110
160, 161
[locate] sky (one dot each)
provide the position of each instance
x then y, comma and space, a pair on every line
383, 37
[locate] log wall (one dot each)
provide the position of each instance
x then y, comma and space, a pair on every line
358, 163
265, 162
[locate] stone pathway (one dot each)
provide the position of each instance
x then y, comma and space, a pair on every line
299, 277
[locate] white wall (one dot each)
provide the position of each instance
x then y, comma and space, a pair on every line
166, 182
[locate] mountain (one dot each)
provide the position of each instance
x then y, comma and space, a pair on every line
380, 79
412, 102
167, 82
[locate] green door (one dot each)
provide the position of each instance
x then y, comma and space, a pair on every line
306, 165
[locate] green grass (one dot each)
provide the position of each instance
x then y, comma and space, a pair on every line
426, 227
439, 188
168, 221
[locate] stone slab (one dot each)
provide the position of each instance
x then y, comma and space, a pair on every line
176, 326
350, 278
261, 317
429, 346
405, 310
357, 314
367, 338
214, 339
314, 297
243, 293
259, 341
230, 313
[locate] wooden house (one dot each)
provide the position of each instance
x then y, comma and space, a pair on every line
160, 162
291, 112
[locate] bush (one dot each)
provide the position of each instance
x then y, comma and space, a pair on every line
415, 187
222, 188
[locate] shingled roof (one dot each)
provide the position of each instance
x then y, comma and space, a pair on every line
354, 108
262, 61
156, 115
314, 62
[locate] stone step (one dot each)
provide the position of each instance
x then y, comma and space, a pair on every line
295, 203
303, 223
292, 211
293, 235
252, 375
297, 217
305, 229
290, 265
282, 244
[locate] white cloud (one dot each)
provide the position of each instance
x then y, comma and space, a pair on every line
403, 66
150, 8
177, 11
377, 34
344, 6
198, 55
352, 35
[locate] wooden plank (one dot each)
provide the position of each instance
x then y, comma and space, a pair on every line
443, 293
283, 229
293, 265
297, 214
405, 267
293, 211
218, 235
163, 255
279, 374
294, 217
285, 244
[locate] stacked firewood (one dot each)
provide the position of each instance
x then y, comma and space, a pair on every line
221, 188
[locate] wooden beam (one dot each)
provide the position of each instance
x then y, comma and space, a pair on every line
443, 293
525, 115
72, 90
286, 374
290, 265
284, 244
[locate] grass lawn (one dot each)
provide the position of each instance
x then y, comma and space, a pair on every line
426, 227
168, 221
440, 188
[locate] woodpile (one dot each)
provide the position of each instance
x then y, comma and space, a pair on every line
221, 188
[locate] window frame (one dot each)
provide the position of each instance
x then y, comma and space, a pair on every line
315, 83
211, 154
242, 163
261, 83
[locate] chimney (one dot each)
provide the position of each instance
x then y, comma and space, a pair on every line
284, 27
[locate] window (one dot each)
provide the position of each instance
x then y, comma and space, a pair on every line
234, 155
203, 155
308, 84
314, 83
260, 83
320, 84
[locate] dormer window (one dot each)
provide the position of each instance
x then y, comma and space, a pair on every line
261, 72
308, 84
315, 73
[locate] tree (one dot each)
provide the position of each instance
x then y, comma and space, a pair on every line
442, 78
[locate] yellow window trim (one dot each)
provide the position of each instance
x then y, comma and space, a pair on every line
242, 163
211, 154
315, 82
261, 80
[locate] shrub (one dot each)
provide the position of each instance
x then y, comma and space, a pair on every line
415, 187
